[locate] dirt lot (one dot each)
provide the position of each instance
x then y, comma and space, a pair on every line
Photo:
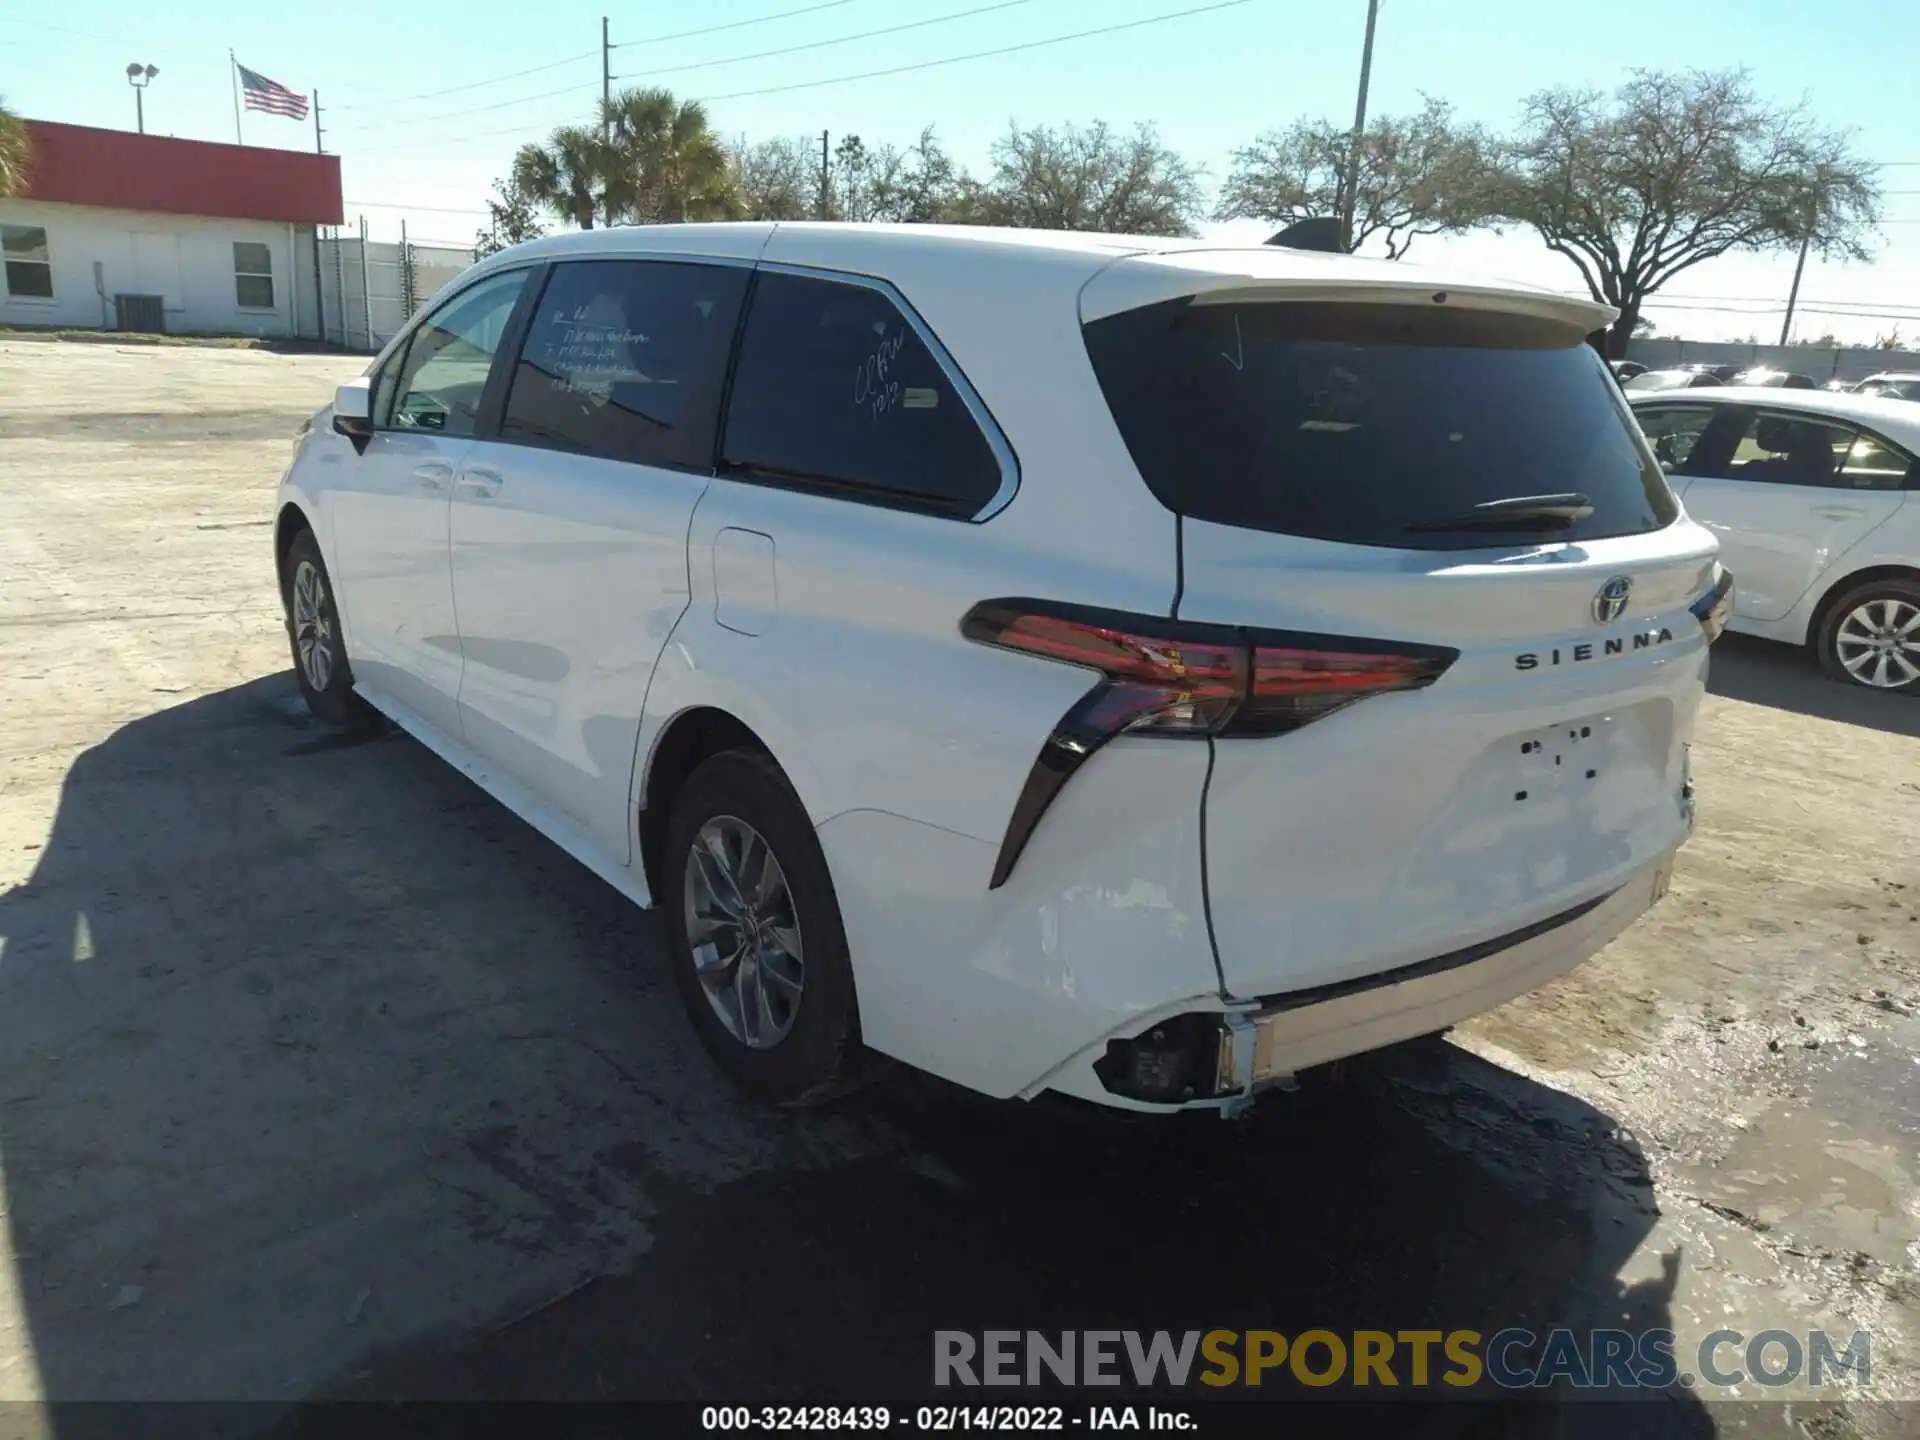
320, 1074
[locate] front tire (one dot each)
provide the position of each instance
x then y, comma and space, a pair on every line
754, 933
1870, 636
319, 650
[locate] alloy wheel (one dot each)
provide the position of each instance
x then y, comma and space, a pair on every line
312, 625
1878, 643
744, 932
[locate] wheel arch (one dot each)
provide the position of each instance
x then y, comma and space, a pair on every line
689, 738
1817, 617
288, 523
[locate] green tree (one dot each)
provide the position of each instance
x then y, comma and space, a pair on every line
1420, 174
567, 175
14, 152
1673, 170
512, 216
663, 162
777, 179
1091, 179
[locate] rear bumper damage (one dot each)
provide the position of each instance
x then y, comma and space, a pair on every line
1221, 1059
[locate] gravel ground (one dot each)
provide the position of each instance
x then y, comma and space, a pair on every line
320, 1074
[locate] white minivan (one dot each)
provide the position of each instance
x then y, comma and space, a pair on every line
1087, 664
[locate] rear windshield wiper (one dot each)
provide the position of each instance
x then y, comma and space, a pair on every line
1519, 512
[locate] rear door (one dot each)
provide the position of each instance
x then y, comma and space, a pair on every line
1330, 458
569, 526
1787, 497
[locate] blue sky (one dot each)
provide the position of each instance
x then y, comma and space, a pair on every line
1209, 81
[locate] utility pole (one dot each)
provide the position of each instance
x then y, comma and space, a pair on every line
826, 191
606, 82
1350, 182
319, 285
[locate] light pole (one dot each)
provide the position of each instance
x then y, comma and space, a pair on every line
137, 76
1350, 182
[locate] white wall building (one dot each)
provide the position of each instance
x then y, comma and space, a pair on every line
148, 232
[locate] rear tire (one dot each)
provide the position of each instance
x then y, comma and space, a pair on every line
319, 650
1870, 637
754, 933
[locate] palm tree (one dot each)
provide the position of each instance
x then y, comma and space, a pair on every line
568, 174
14, 152
666, 164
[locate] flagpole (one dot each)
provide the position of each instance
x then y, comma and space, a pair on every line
233, 73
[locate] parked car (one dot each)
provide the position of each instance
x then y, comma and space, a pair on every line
1066, 663
1891, 385
1674, 379
1811, 496
1626, 369
1771, 379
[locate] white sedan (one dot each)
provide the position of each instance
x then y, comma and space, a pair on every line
1811, 495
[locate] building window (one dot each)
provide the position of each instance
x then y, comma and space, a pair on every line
29, 268
252, 275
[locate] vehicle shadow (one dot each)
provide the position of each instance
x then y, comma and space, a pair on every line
1784, 677
323, 1076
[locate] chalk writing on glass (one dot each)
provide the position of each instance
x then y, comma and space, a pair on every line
876, 383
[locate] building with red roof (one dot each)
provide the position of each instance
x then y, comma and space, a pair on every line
123, 231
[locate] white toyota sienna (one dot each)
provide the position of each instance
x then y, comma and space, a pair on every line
1076, 663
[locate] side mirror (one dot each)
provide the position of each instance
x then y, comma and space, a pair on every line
353, 411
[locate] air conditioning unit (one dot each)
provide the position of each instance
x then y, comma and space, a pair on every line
146, 313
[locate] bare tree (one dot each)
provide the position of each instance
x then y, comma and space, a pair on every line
921, 185
1091, 179
1420, 174
778, 179
1673, 170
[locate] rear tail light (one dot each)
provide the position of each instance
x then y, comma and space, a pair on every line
1714, 608
1177, 678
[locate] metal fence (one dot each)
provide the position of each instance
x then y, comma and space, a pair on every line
369, 289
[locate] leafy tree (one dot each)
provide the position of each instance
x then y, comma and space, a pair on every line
14, 152
921, 185
1091, 179
663, 161
567, 175
512, 216
1420, 174
1673, 170
777, 179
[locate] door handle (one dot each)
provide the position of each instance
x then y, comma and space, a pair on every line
1838, 512
484, 483
433, 475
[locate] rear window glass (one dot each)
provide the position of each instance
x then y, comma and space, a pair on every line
1374, 424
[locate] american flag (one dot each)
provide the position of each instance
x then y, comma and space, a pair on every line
263, 94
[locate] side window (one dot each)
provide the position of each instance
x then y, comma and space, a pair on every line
437, 382
252, 275
626, 359
1674, 431
1872, 464
1777, 450
28, 267
834, 386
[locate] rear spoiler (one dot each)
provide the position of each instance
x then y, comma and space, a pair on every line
1270, 273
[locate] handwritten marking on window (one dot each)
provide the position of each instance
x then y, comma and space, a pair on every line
876, 385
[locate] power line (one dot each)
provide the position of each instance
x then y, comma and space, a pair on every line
734, 25
472, 84
424, 209
470, 110
983, 54
826, 44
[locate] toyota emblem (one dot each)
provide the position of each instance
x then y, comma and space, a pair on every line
1612, 599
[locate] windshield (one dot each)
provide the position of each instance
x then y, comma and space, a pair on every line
1373, 424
